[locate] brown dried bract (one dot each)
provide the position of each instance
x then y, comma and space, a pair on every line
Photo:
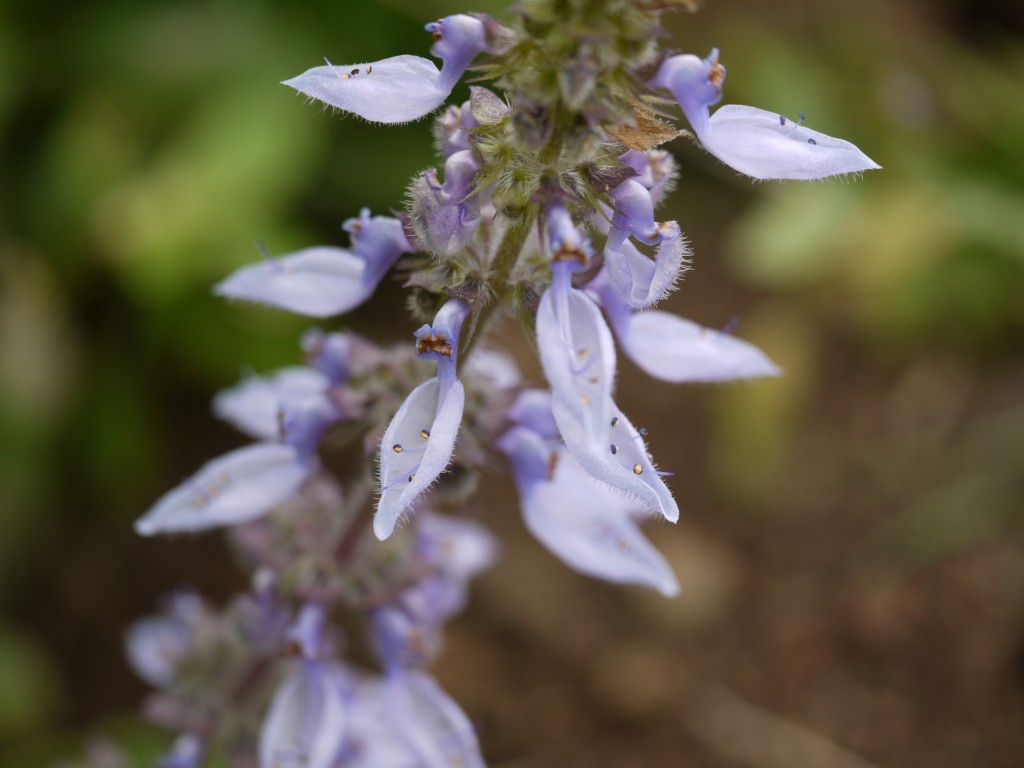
648, 132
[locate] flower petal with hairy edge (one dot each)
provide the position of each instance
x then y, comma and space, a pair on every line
583, 522
765, 145
394, 90
307, 721
627, 466
641, 281
231, 489
254, 405
430, 722
316, 282
409, 461
678, 350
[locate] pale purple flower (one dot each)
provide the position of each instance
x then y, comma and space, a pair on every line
674, 349
418, 443
155, 646
255, 404
578, 356
402, 88
758, 143
588, 525
324, 280
308, 717
432, 726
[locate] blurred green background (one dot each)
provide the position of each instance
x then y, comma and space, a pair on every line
850, 547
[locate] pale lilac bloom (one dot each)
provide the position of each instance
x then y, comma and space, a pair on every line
329, 353
156, 645
246, 482
674, 349
432, 726
758, 143
641, 281
324, 280
418, 443
578, 357
255, 404
402, 88
308, 718
586, 524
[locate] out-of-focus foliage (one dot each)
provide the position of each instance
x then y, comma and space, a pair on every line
144, 147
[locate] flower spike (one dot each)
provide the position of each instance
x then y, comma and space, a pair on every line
761, 144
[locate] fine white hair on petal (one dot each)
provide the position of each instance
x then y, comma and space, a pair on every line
430, 722
674, 349
766, 145
627, 468
416, 449
393, 90
254, 404
306, 723
236, 487
643, 282
315, 282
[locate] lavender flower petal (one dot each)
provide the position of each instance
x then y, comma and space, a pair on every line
640, 281
306, 724
394, 90
416, 449
231, 489
583, 522
255, 404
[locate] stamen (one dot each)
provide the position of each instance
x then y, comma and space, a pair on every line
585, 400
801, 118
593, 379
615, 449
355, 71
334, 69
265, 252
425, 434
812, 141
615, 421
369, 69
782, 119
638, 469
396, 448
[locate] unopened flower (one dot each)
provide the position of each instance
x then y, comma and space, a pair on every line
758, 143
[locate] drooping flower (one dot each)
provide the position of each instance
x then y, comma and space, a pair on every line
588, 525
758, 143
674, 349
578, 357
156, 645
404, 88
655, 168
418, 443
324, 280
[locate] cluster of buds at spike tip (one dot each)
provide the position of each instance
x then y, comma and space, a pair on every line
543, 202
